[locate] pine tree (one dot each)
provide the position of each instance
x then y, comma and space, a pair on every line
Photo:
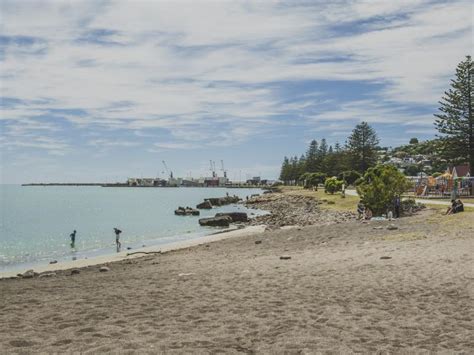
322, 153
285, 171
312, 157
456, 120
362, 145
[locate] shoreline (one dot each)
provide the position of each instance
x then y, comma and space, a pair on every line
137, 253
390, 286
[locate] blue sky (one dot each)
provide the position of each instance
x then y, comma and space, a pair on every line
104, 90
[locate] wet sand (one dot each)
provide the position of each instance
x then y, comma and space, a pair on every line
347, 287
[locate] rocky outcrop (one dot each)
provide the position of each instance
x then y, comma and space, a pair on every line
218, 201
206, 205
290, 210
188, 211
236, 216
223, 221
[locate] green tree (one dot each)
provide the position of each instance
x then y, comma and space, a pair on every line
455, 123
362, 146
312, 164
412, 170
414, 141
332, 185
379, 186
349, 176
313, 179
285, 171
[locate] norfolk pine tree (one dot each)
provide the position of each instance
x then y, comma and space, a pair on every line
362, 146
456, 121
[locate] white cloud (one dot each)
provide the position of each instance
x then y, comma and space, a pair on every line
186, 64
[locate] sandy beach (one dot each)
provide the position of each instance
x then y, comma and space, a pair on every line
340, 287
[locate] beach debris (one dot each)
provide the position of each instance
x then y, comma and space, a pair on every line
385, 257
285, 257
378, 227
186, 211
223, 221
258, 242
206, 205
104, 269
236, 216
75, 271
392, 227
28, 274
47, 274
53, 262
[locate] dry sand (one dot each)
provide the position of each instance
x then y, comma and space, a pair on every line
347, 288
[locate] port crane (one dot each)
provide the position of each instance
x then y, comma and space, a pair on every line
212, 168
170, 173
223, 169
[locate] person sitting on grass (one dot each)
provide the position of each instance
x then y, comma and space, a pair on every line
452, 209
459, 206
368, 214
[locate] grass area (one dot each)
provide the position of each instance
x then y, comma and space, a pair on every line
463, 220
334, 202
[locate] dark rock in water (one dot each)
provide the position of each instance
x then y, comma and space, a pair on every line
129, 248
75, 271
28, 274
223, 221
236, 216
104, 269
53, 262
206, 205
221, 201
186, 211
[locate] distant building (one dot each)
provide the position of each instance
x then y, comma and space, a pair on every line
459, 171
254, 181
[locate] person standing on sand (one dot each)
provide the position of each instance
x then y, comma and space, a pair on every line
117, 238
397, 204
73, 239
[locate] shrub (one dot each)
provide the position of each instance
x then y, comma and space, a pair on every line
332, 185
379, 186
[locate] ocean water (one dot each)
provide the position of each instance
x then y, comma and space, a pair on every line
35, 222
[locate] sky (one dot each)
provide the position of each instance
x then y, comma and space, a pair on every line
98, 91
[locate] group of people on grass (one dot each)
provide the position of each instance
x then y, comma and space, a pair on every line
393, 211
456, 207
365, 213
117, 239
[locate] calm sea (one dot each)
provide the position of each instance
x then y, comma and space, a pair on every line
35, 222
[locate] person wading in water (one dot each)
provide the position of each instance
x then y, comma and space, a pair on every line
73, 239
117, 238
